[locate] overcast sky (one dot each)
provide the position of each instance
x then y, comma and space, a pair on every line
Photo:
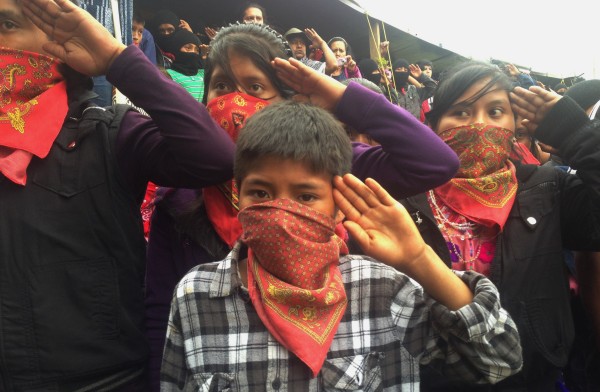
558, 39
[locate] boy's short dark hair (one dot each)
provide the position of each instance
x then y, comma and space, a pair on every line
138, 18
296, 131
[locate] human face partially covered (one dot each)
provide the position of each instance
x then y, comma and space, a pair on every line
253, 15
137, 30
493, 108
427, 70
245, 77
298, 47
17, 31
274, 178
190, 48
166, 29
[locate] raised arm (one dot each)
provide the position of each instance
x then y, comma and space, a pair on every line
452, 321
180, 145
411, 158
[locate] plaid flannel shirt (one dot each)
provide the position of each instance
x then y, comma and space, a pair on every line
215, 340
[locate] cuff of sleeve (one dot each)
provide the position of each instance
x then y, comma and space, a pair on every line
475, 319
564, 118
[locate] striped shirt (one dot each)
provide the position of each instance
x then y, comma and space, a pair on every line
193, 84
215, 340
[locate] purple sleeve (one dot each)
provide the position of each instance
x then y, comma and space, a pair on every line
180, 145
411, 159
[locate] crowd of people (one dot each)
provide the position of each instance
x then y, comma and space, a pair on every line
272, 213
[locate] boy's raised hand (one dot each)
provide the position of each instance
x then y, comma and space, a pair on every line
313, 86
385, 231
381, 225
76, 37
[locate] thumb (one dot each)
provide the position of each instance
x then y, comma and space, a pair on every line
55, 50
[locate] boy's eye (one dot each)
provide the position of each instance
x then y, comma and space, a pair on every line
306, 198
8, 25
259, 194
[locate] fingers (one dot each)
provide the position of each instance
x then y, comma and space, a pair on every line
42, 13
382, 195
359, 198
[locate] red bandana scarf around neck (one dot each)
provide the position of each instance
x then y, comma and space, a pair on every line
485, 187
293, 276
33, 106
231, 112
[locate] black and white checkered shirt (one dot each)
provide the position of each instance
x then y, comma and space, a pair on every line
215, 340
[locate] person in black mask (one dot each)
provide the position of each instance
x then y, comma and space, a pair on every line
412, 87
186, 69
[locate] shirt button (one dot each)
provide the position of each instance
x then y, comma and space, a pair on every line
276, 384
531, 220
72, 145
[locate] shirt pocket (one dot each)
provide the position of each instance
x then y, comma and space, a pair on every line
215, 382
354, 373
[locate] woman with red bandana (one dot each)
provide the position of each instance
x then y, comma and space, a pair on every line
190, 227
509, 220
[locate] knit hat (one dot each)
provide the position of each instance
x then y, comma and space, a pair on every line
367, 67
585, 93
559, 86
163, 17
295, 32
179, 38
400, 63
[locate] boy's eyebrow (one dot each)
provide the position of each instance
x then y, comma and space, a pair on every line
10, 14
300, 185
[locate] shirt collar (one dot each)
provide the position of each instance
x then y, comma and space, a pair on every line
227, 278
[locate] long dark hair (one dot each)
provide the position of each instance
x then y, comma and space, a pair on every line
260, 43
460, 79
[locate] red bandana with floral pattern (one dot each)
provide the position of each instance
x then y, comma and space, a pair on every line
33, 106
231, 112
294, 280
485, 186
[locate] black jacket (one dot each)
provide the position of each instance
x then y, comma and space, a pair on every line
71, 277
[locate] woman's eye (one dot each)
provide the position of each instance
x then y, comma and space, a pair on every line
255, 88
496, 112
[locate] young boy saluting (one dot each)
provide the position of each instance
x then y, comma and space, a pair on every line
288, 309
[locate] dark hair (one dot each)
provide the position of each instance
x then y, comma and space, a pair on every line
138, 18
459, 80
423, 63
296, 131
254, 5
340, 39
260, 43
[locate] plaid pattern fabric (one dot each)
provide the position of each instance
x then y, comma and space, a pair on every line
216, 341
319, 66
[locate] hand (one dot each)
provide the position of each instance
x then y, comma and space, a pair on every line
350, 64
533, 104
185, 25
77, 38
384, 47
210, 32
415, 71
313, 86
512, 70
381, 225
315, 39
204, 50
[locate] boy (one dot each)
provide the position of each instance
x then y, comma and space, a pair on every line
287, 309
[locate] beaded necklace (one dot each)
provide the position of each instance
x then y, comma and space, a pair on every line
466, 230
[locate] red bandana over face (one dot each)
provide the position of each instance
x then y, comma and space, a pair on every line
485, 186
231, 112
294, 280
33, 106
